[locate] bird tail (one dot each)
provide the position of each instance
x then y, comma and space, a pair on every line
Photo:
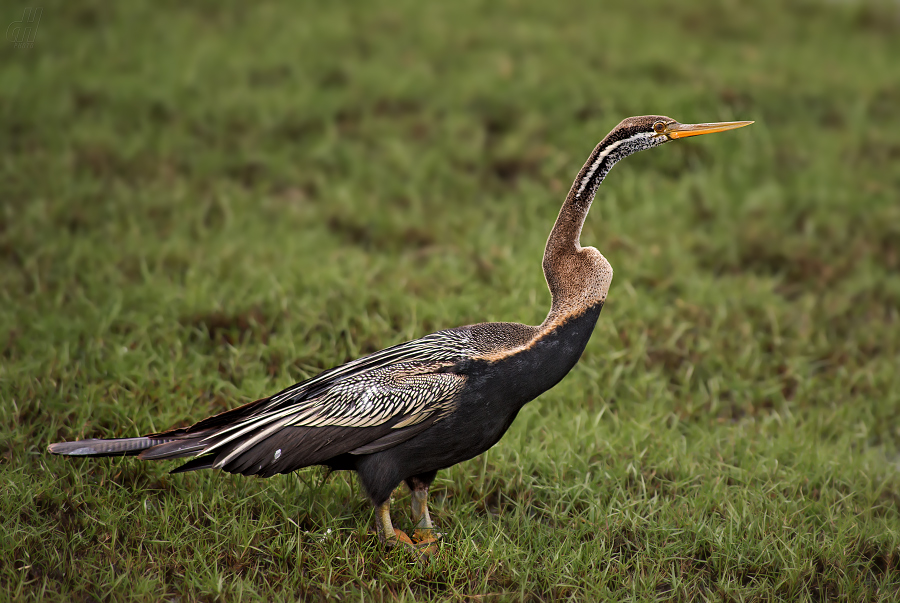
172, 444
96, 447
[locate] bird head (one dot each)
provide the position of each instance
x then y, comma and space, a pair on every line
632, 135
657, 129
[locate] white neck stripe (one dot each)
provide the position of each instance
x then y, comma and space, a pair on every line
604, 154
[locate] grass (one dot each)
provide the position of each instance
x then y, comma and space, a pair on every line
204, 204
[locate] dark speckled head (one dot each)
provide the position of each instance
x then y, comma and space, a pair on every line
649, 127
635, 134
659, 128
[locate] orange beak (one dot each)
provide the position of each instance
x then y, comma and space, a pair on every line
684, 130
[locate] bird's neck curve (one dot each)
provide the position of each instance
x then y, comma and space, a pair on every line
579, 277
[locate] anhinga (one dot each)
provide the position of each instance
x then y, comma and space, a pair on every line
405, 412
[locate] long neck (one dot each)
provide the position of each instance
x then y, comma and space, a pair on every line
567, 269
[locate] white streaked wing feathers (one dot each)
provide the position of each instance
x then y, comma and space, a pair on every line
377, 396
399, 381
411, 391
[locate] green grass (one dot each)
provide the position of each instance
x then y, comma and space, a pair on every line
200, 205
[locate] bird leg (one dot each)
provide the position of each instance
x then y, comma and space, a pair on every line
425, 533
386, 531
420, 510
418, 488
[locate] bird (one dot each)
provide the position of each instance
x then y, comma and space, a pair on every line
404, 413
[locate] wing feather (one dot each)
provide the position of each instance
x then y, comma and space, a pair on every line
382, 400
365, 405
442, 347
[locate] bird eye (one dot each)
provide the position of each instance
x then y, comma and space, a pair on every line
659, 127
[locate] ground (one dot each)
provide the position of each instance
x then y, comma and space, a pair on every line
202, 204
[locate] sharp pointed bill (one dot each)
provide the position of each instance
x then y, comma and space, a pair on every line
678, 130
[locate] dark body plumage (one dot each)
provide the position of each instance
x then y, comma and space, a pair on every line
409, 410
486, 396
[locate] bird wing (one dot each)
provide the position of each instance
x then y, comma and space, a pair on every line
448, 346
353, 413
360, 407
408, 390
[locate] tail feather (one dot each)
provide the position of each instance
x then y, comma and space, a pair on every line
176, 449
171, 444
201, 462
96, 447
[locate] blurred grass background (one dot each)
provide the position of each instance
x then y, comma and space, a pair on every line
202, 204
